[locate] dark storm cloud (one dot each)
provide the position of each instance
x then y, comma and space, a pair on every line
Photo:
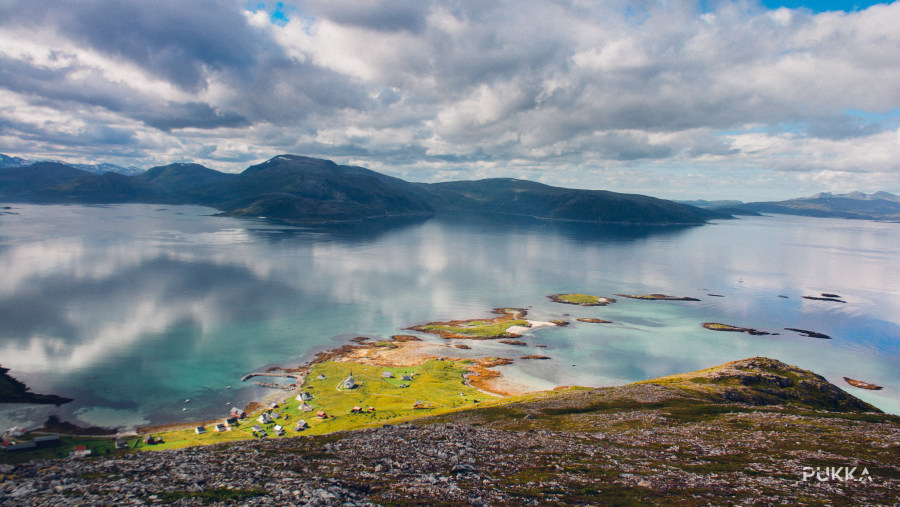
178, 40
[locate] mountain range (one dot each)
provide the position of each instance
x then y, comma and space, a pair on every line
309, 190
854, 205
7, 161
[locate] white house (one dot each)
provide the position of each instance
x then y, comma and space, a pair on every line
350, 382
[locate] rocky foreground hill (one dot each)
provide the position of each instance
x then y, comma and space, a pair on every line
755, 431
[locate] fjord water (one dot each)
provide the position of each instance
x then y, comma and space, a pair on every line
133, 309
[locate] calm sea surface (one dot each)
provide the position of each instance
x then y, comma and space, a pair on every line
133, 309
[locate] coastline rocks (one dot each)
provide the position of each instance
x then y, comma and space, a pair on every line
534, 356
517, 343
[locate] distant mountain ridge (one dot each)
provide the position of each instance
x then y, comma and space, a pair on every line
7, 161
309, 190
854, 205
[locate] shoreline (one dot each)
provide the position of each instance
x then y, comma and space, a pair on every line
403, 351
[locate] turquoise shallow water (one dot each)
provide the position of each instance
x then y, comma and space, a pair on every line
133, 309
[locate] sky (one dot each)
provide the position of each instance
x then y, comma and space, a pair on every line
681, 99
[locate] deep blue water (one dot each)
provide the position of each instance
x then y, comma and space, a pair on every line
132, 309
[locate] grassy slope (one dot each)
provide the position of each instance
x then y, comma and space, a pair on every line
438, 384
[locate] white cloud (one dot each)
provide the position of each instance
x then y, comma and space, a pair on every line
437, 89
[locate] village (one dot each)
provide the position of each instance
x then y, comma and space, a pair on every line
332, 396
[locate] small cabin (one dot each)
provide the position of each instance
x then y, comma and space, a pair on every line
47, 440
321, 377
240, 414
121, 444
356, 410
257, 429
273, 405
221, 427
80, 451
304, 396
406, 377
306, 407
387, 374
231, 421
200, 430
301, 425
264, 418
321, 415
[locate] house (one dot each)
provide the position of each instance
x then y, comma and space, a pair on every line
301, 425
264, 418
121, 444
321, 377
231, 421
151, 440
258, 429
387, 374
20, 447
418, 404
200, 430
356, 410
406, 377
240, 414
221, 427
80, 451
350, 382
321, 415
304, 396
279, 430
47, 440
306, 407
273, 405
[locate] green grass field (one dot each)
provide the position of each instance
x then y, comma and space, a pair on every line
438, 385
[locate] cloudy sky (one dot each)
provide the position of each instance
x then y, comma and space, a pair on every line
673, 98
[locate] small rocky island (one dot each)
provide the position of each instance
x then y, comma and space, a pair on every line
715, 326
581, 299
657, 297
